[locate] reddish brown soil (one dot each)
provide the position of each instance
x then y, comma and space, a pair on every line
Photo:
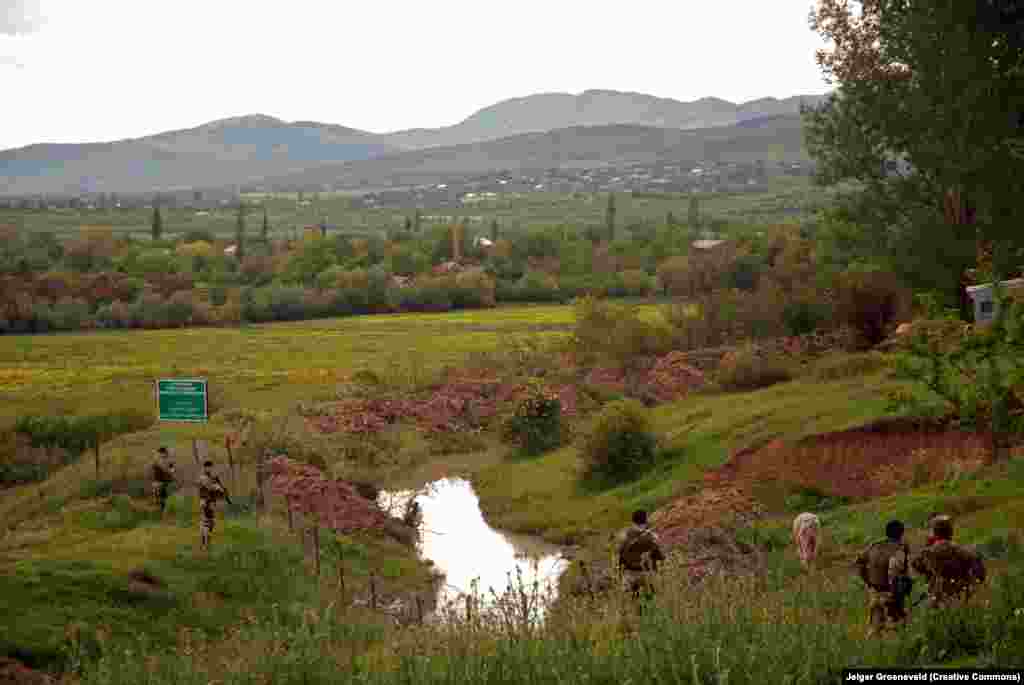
13, 672
871, 461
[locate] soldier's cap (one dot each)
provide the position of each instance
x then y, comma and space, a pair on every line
162, 450
207, 464
942, 527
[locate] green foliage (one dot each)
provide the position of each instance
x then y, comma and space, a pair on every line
616, 333
803, 316
812, 499
619, 444
976, 376
536, 425
748, 369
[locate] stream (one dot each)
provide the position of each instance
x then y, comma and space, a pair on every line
455, 537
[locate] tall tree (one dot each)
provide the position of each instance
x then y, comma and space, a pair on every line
417, 222
408, 225
670, 219
609, 217
494, 230
240, 231
265, 231
158, 221
940, 85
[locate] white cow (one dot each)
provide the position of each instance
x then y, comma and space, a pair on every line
806, 527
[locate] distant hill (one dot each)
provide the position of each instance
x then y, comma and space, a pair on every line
225, 152
551, 129
777, 138
550, 111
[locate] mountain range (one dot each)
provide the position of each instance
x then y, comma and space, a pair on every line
538, 131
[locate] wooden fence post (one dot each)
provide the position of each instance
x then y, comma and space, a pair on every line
96, 450
419, 608
373, 591
316, 549
291, 521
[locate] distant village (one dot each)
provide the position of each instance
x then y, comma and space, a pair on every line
466, 190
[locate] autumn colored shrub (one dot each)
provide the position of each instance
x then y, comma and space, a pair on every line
619, 444
748, 368
871, 303
536, 425
616, 333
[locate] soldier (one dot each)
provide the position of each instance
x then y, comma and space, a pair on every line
163, 476
932, 539
884, 568
953, 572
639, 555
210, 490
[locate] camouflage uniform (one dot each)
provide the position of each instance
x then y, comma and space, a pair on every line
163, 476
953, 572
639, 554
880, 564
209, 492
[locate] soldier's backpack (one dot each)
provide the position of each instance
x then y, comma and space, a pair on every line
161, 473
641, 549
875, 571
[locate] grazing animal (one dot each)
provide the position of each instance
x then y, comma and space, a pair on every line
806, 527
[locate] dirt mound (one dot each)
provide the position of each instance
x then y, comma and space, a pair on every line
871, 461
13, 672
715, 550
874, 460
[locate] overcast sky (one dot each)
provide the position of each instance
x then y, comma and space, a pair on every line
97, 70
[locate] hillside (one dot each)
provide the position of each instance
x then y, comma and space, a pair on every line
550, 111
225, 152
777, 138
244, 149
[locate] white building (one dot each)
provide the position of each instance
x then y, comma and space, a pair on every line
983, 297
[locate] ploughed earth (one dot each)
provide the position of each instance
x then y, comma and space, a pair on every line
861, 463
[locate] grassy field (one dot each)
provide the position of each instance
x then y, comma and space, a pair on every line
259, 366
788, 198
252, 613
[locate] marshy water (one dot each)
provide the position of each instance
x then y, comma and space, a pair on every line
455, 536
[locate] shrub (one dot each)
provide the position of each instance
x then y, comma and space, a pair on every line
871, 303
536, 426
748, 369
616, 333
619, 444
804, 317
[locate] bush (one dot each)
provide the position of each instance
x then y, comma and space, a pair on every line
871, 303
620, 443
805, 317
616, 333
536, 425
748, 369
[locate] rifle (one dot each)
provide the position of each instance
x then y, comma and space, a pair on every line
227, 497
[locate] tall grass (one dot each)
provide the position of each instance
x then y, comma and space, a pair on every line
726, 630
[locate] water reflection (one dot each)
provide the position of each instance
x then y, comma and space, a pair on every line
461, 544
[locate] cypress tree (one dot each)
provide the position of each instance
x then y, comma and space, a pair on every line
240, 231
610, 217
265, 232
158, 221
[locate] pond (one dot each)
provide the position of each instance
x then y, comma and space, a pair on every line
460, 543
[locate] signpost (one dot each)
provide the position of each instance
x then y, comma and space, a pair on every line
184, 400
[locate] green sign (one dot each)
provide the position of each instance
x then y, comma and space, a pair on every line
182, 399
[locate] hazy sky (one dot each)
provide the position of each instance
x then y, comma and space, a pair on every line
83, 71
